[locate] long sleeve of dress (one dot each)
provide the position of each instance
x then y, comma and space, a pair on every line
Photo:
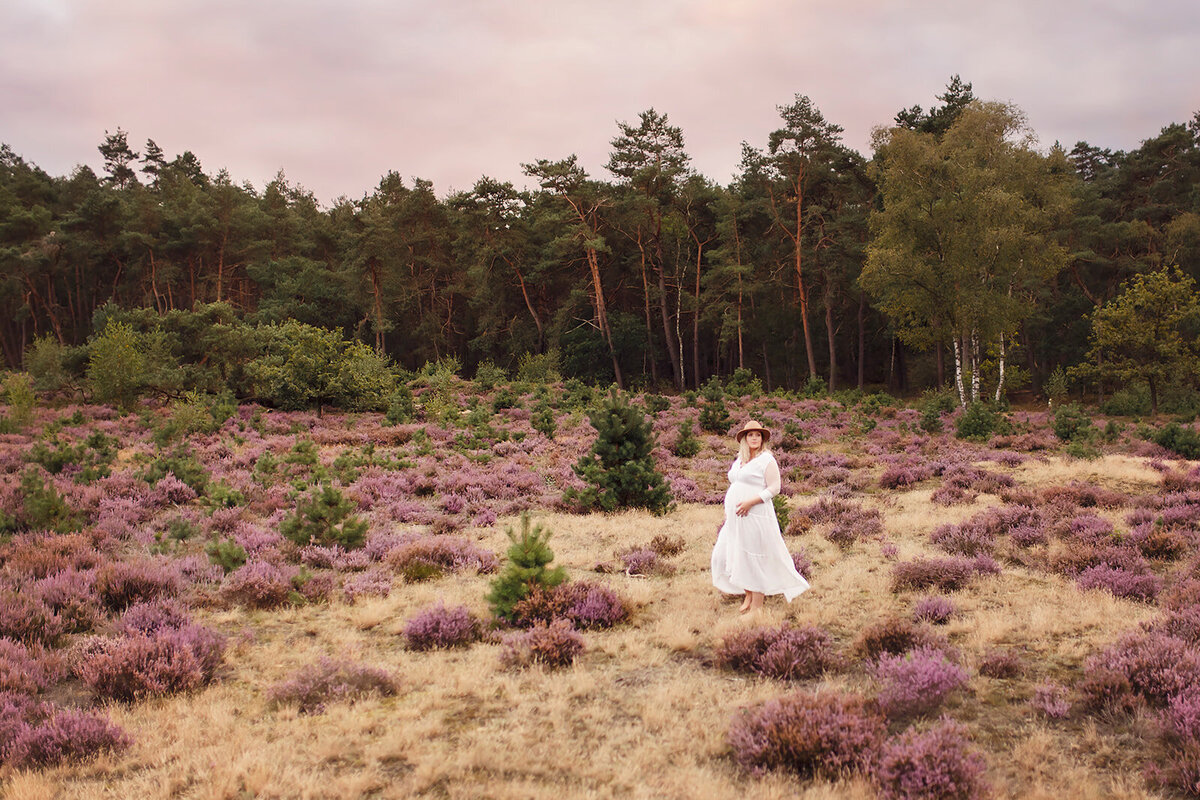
771, 476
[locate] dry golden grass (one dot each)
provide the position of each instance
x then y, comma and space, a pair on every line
640, 715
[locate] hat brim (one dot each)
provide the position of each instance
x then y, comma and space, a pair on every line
766, 434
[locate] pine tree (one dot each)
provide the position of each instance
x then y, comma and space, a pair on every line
687, 445
714, 417
529, 558
619, 469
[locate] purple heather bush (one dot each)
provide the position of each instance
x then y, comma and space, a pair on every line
1027, 535
809, 734
258, 584
72, 595
313, 688
802, 563
40, 555
146, 665
934, 610
120, 584
1140, 667
373, 582
1181, 718
917, 682
951, 495
899, 477
28, 668
785, 652
937, 764
170, 491
1002, 664
153, 617
966, 539
896, 636
644, 561
34, 734
590, 605
436, 555
551, 646
1051, 700
27, 619
1120, 582
943, 574
440, 627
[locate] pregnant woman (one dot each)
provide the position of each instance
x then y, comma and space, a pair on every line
750, 557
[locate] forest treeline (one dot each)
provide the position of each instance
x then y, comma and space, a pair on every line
958, 254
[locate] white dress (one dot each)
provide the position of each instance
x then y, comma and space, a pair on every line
750, 554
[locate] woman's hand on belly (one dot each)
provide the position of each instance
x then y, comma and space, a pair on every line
743, 508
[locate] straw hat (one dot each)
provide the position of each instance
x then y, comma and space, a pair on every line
753, 425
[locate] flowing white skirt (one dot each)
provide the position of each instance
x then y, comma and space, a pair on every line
750, 554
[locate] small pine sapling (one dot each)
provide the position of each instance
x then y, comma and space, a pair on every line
325, 518
528, 566
619, 469
687, 444
714, 417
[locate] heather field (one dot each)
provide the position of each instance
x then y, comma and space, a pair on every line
208, 602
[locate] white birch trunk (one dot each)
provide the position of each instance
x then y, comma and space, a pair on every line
958, 373
974, 366
1003, 357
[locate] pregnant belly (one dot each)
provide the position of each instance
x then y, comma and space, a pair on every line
744, 491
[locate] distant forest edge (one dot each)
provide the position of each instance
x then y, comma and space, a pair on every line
959, 255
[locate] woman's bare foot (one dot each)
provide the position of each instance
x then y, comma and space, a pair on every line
756, 601
745, 604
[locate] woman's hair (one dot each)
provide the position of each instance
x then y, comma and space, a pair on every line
744, 449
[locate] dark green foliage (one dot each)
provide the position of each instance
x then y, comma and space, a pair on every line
980, 421
222, 495
743, 383
931, 419
528, 566
656, 403
401, 408
505, 398
182, 465
325, 518
687, 444
18, 394
196, 413
54, 455
488, 376
43, 508
226, 553
543, 419
782, 510
305, 366
714, 417
1071, 423
1056, 386
1178, 439
815, 387
619, 470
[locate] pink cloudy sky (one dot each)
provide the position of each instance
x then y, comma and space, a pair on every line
338, 93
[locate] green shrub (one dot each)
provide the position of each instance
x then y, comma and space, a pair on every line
543, 419
55, 455
1128, 401
528, 567
1071, 423
979, 422
743, 383
226, 553
1178, 439
401, 408
714, 416
656, 403
46, 361
182, 465
931, 419
687, 444
505, 398
1056, 387
488, 376
222, 495
19, 394
539, 368
782, 510
325, 518
43, 508
619, 470
815, 387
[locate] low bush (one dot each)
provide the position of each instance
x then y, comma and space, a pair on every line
943, 574
529, 559
325, 518
28, 620
374, 582
1001, 664
979, 422
1121, 583
644, 561
440, 627
140, 665
823, 734
584, 604
894, 637
258, 584
36, 734
937, 764
28, 669
430, 557
786, 653
916, 682
1183, 441
72, 595
120, 584
934, 610
313, 688
1072, 424
1140, 668
1051, 701
552, 646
